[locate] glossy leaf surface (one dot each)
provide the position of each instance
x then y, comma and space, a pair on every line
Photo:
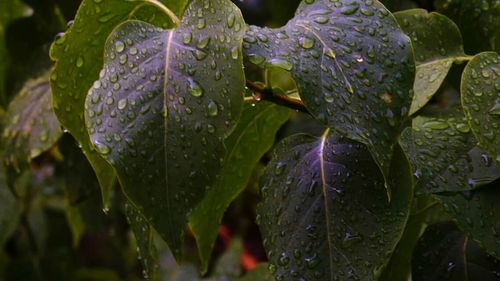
445, 253
457, 173
325, 214
353, 66
251, 139
30, 125
78, 56
162, 106
437, 43
481, 100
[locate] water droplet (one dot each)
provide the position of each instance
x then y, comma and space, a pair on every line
230, 20
281, 63
194, 89
462, 128
279, 168
306, 42
79, 62
349, 10
212, 108
119, 46
495, 110
122, 103
203, 42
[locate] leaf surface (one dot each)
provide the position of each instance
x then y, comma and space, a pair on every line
78, 56
163, 104
252, 138
353, 66
325, 215
445, 253
458, 173
30, 125
437, 43
481, 100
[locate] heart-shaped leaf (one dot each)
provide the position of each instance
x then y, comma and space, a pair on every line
251, 139
78, 54
30, 125
353, 66
451, 168
325, 215
437, 43
445, 253
163, 104
481, 100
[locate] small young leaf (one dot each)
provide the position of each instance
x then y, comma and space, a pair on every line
444, 253
481, 100
30, 125
452, 168
353, 66
78, 54
143, 233
437, 43
163, 104
251, 139
324, 206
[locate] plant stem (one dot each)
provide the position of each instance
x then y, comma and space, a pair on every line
262, 93
160, 6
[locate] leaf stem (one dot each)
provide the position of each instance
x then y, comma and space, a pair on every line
162, 7
262, 93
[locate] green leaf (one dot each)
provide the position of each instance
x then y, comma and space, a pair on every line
452, 168
426, 211
9, 11
75, 221
30, 125
78, 54
163, 104
10, 209
325, 215
143, 233
259, 273
398, 5
479, 21
444, 253
353, 66
252, 138
437, 44
481, 100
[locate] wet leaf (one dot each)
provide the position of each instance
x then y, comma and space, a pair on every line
162, 106
456, 172
78, 54
481, 100
252, 138
325, 215
479, 21
445, 253
143, 233
10, 209
353, 66
30, 125
437, 44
